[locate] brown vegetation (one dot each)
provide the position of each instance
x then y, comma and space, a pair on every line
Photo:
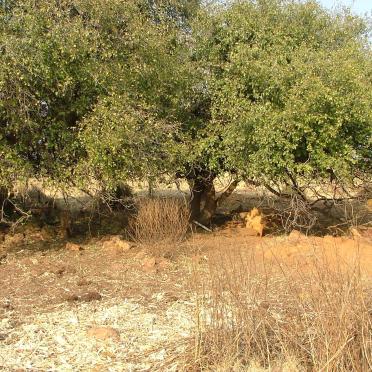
293, 303
160, 220
254, 310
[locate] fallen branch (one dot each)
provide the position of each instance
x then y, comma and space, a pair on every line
202, 226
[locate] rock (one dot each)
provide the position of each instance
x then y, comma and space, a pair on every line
3, 257
84, 297
71, 297
74, 247
104, 333
83, 282
149, 264
90, 296
255, 221
115, 246
3, 336
59, 270
152, 264
369, 204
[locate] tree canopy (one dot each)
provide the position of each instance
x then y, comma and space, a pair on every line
277, 92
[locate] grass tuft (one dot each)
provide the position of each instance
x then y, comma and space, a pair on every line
160, 220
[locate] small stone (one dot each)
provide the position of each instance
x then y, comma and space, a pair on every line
90, 296
59, 270
104, 333
84, 297
115, 246
369, 204
3, 336
74, 247
152, 264
72, 297
83, 282
3, 256
149, 264
7, 305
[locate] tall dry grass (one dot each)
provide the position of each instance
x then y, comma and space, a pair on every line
256, 314
160, 220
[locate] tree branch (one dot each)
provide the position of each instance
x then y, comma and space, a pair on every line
230, 189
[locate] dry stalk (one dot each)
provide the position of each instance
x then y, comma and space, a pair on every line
160, 220
318, 318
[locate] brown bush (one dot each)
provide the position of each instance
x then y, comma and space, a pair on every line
252, 311
160, 220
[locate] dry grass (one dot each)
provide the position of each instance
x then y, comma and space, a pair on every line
160, 220
256, 314
58, 340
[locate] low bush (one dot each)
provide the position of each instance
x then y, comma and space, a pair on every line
160, 220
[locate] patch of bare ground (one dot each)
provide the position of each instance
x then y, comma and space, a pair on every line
51, 296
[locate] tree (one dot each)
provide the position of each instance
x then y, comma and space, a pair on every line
272, 91
290, 98
59, 59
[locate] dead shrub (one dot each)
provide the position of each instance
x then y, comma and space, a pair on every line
257, 311
160, 220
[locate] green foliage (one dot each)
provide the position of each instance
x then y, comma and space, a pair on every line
270, 90
57, 59
293, 91
123, 141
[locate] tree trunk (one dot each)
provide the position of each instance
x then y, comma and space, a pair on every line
209, 206
4, 206
204, 200
197, 189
